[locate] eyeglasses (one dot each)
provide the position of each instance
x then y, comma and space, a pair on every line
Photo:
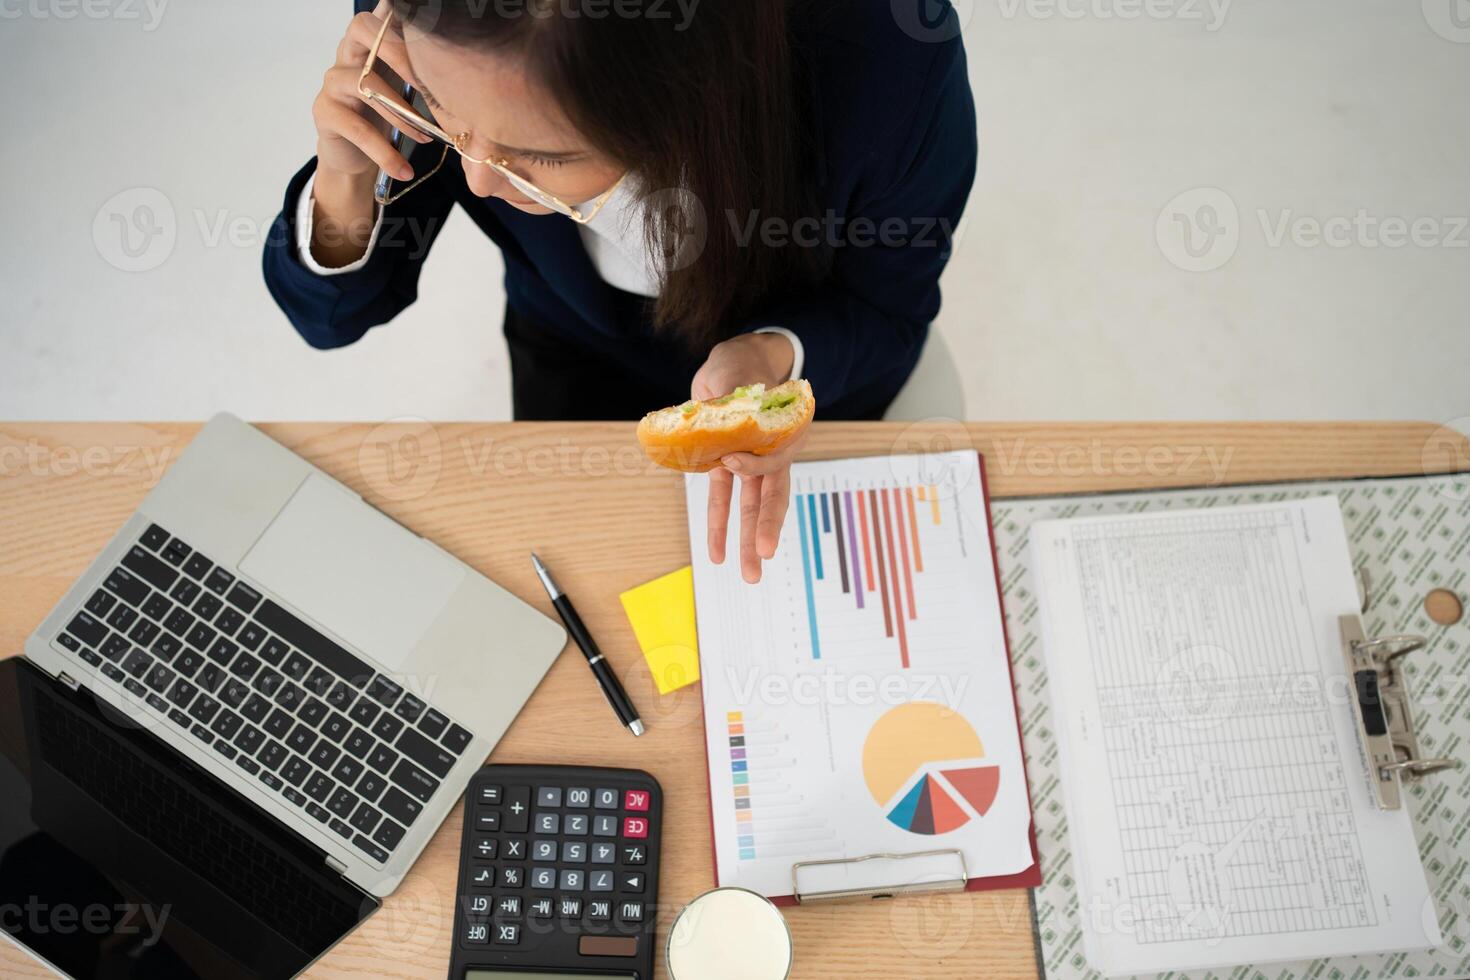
500, 165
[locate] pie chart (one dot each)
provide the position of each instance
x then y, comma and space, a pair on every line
924, 764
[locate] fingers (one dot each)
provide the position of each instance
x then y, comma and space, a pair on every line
749, 464
361, 33
334, 118
340, 84
750, 515
352, 54
700, 387
721, 482
775, 498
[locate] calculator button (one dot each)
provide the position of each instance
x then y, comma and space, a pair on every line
487, 821
548, 823
634, 854
632, 881
608, 945
478, 905
486, 847
636, 800
605, 826
490, 795
599, 910
508, 905
573, 852
482, 876
606, 799
635, 827
604, 853
548, 796
579, 798
541, 908
512, 877
517, 809
543, 850
571, 880
575, 825
507, 935
569, 908
630, 911
600, 881
543, 878
515, 850
476, 933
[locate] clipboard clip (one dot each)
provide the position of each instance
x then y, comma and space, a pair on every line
939, 885
1387, 739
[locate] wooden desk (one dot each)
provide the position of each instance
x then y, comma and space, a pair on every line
583, 496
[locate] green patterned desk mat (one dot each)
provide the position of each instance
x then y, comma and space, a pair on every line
1408, 536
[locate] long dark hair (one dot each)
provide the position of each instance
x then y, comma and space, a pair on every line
710, 108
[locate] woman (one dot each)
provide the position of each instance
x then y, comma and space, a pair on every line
690, 196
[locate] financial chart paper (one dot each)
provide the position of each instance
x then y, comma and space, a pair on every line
859, 699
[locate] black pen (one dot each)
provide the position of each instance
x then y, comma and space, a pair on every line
611, 688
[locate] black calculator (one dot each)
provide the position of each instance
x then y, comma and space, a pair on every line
558, 874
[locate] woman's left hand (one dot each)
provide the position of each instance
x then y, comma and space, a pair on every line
765, 481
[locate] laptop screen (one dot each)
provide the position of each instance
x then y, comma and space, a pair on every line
119, 858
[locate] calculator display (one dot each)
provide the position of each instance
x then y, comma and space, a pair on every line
518, 975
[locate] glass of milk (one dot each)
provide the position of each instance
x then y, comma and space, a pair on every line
729, 934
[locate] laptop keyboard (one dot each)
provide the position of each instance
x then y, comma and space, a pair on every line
307, 718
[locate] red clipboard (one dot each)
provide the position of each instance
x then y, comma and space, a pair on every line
1027, 878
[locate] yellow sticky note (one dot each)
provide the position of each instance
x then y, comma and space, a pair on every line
662, 614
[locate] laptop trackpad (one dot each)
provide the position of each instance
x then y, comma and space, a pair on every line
339, 562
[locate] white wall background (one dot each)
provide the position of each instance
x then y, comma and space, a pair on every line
1065, 300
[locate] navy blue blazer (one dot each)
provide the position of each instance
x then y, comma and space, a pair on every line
895, 142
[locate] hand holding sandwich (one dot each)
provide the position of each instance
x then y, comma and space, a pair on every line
765, 480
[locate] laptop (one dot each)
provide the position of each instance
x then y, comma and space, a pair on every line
249, 715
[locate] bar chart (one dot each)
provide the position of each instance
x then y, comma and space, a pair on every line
867, 545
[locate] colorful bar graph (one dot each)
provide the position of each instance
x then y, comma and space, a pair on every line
811, 503
806, 574
908, 496
903, 547
841, 544
867, 551
857, 568
880, 530
903, 640
882, 573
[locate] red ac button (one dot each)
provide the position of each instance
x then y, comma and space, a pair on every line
636, 800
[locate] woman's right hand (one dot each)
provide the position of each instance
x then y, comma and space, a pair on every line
352, 140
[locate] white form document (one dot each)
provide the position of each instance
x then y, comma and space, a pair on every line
1209, 755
